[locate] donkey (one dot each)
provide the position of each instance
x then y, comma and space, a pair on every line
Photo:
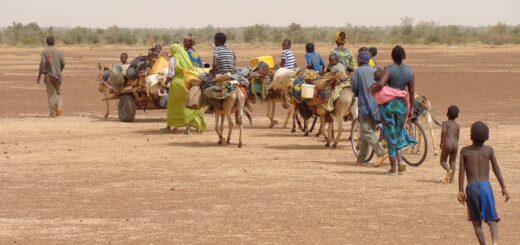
275, 92
104, 88
273, 98
233, 104
346, 105
426, 107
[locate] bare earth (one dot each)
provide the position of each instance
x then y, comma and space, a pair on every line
85, 179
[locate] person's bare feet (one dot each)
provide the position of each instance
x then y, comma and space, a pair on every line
391, 173
402, 168
59, 112
448, 179
394, 170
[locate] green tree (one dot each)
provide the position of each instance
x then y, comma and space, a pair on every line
28, 35
256, 33
296, 33
498, 34
404, 32
116, 35
277, 35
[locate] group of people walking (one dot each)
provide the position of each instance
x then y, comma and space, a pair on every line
384, 95
369, 81
393, 114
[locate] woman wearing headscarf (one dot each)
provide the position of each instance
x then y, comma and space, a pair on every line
345, 56
178, 115
188, 42
395, 113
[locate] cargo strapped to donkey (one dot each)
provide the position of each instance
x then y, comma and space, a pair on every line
326, 90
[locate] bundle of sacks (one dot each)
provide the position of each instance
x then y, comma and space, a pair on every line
303, 76
282, 77
326, 90
202, 84
261, 75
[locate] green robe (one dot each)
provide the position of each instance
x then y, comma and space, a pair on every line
178, 115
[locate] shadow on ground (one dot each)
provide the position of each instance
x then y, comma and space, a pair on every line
361, 172
203, 144
295, 147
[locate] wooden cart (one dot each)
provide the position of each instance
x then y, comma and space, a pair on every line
136, 94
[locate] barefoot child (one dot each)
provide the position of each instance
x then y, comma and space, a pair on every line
474, 164
450, 143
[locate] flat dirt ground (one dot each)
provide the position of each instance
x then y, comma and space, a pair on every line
85, 179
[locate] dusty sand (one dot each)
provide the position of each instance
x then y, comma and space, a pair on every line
85, 179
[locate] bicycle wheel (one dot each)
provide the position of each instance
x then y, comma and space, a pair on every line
355, 140
415, 155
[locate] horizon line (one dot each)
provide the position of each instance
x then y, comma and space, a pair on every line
268, 25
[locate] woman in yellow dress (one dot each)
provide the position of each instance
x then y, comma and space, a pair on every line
178, 115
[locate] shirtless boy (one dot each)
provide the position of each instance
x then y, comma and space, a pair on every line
474, 164
450, 143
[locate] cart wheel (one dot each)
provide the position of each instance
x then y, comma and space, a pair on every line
126, 108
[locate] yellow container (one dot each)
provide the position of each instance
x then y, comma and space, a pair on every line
161, 63
269, 60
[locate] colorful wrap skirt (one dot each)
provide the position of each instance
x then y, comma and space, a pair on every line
394, 115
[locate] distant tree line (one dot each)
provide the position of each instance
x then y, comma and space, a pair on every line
407, 32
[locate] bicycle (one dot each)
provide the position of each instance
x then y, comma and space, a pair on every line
413, 155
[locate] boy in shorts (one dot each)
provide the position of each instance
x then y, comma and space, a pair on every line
450, 143
474, 164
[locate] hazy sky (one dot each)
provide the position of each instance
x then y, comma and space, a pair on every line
225, 13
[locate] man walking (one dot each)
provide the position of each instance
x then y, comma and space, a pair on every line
51, 66
362, 79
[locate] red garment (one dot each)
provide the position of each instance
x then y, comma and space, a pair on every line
388, 93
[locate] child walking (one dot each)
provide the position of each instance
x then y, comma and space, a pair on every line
450, 143
474, 164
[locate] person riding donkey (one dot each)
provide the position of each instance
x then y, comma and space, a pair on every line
314, 60
287, 60
345, 56
224, 59
188, 42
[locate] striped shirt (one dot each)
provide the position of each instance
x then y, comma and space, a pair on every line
225, 59
288, 56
